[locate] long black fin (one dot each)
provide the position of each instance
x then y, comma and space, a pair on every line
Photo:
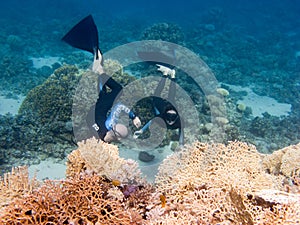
84, 35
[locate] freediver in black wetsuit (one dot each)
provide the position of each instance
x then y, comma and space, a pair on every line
163, 108
105, 126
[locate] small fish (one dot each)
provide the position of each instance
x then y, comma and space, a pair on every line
163, 200
116, 183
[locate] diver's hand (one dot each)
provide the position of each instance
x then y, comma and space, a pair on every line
137, 133
137, 122
97, 67
166, 70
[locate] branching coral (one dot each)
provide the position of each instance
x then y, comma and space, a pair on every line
15, 184
52, 101
97, 156
202, 184
217, 183
80, 200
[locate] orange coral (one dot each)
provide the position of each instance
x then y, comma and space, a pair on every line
202, 184
216, 183
15, 184
81, 200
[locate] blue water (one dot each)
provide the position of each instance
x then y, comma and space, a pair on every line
41, 23
254, 44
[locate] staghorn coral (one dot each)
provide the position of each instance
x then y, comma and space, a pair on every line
15, 184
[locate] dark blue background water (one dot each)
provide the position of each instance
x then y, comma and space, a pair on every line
253, 37
47, 18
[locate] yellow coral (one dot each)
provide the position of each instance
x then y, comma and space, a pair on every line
103, 159
223, 92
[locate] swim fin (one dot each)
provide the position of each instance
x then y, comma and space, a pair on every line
84, 35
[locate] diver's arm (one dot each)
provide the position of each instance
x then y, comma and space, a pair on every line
115, 115
141, 131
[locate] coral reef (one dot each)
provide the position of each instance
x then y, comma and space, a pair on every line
15, 184
202, 184
42, 126
52, 101
87, 196
217, 183
285, 161
103, 159
16, 76
164, 32
14, 42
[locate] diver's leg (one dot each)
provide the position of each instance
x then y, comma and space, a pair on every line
160, 87
157, 102
106, 98
172, 90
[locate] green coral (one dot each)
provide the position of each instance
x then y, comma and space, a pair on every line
52, 101
165, 32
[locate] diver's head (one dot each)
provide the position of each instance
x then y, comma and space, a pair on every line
118, 132
171, 116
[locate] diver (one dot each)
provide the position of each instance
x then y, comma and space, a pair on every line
103, 117
164, 108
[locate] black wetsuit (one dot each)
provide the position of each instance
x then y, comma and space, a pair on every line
101, 122
161, 106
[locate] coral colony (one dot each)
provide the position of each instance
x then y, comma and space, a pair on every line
251, 176
203, 184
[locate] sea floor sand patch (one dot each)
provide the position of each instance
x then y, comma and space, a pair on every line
44, 61
148, 169
48, 169
261, 104
10, 105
